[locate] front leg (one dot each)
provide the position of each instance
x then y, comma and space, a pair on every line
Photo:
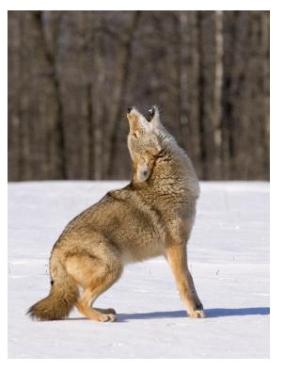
176, 256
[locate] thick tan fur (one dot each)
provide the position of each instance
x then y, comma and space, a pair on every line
62, 296
151, 216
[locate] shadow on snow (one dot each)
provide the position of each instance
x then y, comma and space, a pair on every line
210, 313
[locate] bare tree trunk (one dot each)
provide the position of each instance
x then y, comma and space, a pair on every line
218, 84
207, 50
14, 78
122, 73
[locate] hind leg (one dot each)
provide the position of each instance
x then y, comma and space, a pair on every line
84, 305
85, 308
95, 275
98, 285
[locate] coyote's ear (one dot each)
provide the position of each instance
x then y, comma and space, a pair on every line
155, 117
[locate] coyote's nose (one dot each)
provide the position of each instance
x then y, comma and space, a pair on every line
129, 109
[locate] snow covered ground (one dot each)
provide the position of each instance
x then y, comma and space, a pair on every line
229, 259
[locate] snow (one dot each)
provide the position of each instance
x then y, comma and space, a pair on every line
228, 256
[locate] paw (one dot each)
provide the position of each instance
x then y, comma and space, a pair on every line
198, 313
107, 318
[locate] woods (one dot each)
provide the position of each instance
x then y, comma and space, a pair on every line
72, 75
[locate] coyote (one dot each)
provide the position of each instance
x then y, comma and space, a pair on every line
152, 216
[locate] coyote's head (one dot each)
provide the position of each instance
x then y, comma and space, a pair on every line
144, 142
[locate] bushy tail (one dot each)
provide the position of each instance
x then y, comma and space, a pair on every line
62, 296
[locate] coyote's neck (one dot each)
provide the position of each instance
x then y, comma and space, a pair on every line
174, 173
173, 181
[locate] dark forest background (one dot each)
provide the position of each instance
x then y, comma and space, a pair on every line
72, 74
